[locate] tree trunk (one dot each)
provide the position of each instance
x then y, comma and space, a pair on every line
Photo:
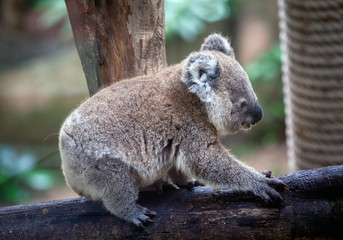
118, 39
314, 209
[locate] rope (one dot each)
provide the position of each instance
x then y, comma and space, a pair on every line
312, 43
315, 50
319, 4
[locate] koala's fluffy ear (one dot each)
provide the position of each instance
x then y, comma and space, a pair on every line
216, 42
200, 73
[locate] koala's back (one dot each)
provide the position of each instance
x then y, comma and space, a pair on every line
138, 122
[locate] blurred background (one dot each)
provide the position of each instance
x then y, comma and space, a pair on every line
41, 81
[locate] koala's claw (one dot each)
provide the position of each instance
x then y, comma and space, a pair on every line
151, 213
272, 197
269, 191
141, 221
277, 200
141, 216
139, 224
277, 184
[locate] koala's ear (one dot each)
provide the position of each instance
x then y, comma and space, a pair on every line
200, 73
216, 42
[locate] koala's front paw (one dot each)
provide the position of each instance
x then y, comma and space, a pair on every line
267, 189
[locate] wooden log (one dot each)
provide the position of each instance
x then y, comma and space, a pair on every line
118, 39
314, 209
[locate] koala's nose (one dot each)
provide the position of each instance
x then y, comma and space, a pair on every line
257, 113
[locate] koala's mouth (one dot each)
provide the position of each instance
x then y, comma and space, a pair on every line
246, 125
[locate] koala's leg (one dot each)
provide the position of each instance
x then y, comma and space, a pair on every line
117, 185
214, 166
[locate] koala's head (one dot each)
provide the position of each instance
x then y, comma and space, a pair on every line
220, 82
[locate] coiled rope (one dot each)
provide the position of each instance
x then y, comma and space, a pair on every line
312, 44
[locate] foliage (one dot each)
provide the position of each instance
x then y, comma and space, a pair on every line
188, 18
265, 76
19, 175
184, 18
54, 12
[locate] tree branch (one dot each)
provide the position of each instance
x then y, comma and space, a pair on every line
314, 208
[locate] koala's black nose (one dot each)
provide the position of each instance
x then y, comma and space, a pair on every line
257, 113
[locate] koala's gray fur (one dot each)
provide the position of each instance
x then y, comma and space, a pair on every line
136, 132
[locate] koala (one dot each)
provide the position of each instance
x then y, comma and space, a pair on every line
132, 134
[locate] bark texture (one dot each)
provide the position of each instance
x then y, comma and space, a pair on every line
118, 39
314, 209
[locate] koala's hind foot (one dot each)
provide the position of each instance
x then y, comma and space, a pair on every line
122, 203
134, 213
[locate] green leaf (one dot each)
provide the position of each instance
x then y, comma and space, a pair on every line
187, 18
12, 163
40, 180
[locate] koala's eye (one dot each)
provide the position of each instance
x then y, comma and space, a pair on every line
243, 104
